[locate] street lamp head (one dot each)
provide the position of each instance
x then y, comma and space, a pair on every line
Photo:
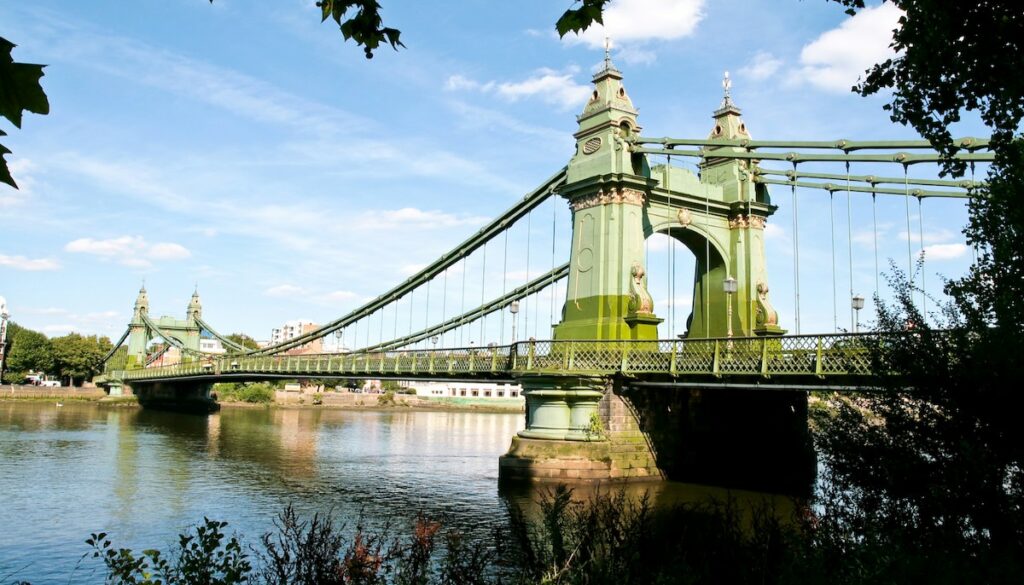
514, 307
729, 285
858, 302
434, 340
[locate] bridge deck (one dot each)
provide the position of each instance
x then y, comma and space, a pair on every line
812, 357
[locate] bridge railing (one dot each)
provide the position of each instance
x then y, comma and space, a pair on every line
799, 355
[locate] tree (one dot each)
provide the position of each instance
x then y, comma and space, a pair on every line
79, 358
933, 468
244, 340
953, 57
29, 351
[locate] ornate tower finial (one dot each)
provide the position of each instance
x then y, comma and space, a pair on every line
727, 90
607, 53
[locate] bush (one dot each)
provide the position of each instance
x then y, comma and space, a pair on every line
386, 399
253, 393
202, 557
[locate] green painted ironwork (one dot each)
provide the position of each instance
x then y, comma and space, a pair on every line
903, 158
837, 187
808, 356
967, 143
967, 185
474, 242
493, 306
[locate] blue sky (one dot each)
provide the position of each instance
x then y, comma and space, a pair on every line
244, 147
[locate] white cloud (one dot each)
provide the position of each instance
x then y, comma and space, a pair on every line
28, 264
413, 218
932, 237
339, 296
129, 250
168, 251
631, 22
762, 66
944, 251
634, 55
839, 57
284, 290
774, 232
548, 85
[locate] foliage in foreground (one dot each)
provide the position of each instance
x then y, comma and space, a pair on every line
606, 539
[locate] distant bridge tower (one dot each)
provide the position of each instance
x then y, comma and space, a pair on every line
141, 329
138, 332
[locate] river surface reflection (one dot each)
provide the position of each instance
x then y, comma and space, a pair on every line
145, 476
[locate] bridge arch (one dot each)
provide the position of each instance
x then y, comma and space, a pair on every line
709, 269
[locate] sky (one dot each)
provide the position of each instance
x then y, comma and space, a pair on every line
244, 149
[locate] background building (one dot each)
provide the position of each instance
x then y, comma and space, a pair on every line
292, 329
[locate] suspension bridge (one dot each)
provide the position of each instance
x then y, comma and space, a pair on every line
607, 396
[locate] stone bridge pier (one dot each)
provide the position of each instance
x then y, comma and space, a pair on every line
596, 429
176, 396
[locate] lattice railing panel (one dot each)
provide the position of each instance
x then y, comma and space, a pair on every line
809, 356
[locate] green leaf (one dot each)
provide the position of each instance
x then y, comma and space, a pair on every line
5, 173
579, 19
19, 86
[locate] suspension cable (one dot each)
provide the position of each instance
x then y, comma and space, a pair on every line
874, 230
796, 255
707, 257
910, 253
444, 301
974, 246
426, 312
849, 245
920, 233
526, 307
554, 236
483, 287
668, 252
462, 307
504, 283
412, 299
832, 223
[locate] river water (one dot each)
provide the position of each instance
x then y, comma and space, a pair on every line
145, 476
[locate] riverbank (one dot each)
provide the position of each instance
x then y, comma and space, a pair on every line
283, 399
389, 401
19, 392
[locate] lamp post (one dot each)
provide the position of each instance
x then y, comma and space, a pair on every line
434, 340
337, 340
858, 303
514, 309
729, 286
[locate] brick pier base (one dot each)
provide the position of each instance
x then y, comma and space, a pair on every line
621, 453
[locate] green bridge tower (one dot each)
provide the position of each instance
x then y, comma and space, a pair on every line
582, 424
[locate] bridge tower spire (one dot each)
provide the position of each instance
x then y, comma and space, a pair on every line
739, 210
138, 332
192, 331
607, 188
